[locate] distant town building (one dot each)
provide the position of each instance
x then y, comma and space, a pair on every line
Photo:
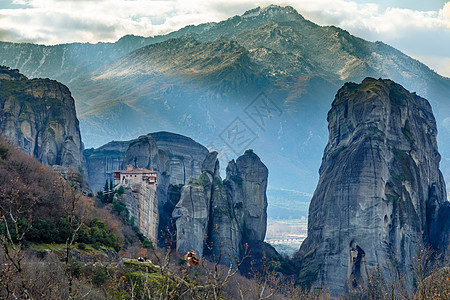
138, 175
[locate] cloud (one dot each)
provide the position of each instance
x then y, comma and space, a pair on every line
56, 21
445, 12
296, 192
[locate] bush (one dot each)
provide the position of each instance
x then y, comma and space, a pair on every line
97, 246
43, 231
121, 190
81, 246
75, 267
121, 210
100, 276
4, 152
146, 243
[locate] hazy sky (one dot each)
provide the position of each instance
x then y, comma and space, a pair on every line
420, 28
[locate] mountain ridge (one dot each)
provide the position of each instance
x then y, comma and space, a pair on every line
299, 65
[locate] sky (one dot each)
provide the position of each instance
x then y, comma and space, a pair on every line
418, 28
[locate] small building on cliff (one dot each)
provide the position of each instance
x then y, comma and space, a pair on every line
138, 175
140, 198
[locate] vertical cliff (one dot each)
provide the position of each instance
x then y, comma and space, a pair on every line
102, 162
142, 203
247, 184
206, 209
177, 159
379, 187
229, 213
184, 154
39, 116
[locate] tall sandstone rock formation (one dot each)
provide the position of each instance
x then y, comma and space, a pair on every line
380, 187
184, 154
39, 116
176, 159
142, 204
103, 161
229, 213
190, 192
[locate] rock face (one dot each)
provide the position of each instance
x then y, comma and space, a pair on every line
39, 116
185, 158
143, 153
142, 203
229, 213
191, 215
101, 162
248, 183
177, 159
379, 188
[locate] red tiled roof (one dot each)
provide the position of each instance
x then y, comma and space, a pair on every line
136, 171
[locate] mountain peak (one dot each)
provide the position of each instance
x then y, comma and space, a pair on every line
273, 11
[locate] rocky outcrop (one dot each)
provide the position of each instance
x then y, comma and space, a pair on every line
247, 179
228, 213
380, 187
206, 209
191, 215
177, 159
142, 204
10, 74
101, 162
143, 153
39, 116
185, 158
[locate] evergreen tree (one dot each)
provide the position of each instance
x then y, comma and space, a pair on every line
105, 192
111, 188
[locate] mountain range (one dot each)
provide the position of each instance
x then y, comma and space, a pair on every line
262, 80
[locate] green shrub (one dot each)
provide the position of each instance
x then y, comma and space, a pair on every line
81, 246
121, 210
337, 152
4, 152
75, 267
121, 190
203, 180
236, 179
43, 231
100, 276
146, 243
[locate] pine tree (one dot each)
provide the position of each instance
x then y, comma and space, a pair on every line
105, 192
111, 188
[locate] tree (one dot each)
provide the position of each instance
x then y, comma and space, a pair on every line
15, 215
111, 189
105, 192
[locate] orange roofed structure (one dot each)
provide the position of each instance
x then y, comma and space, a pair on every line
138, 175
